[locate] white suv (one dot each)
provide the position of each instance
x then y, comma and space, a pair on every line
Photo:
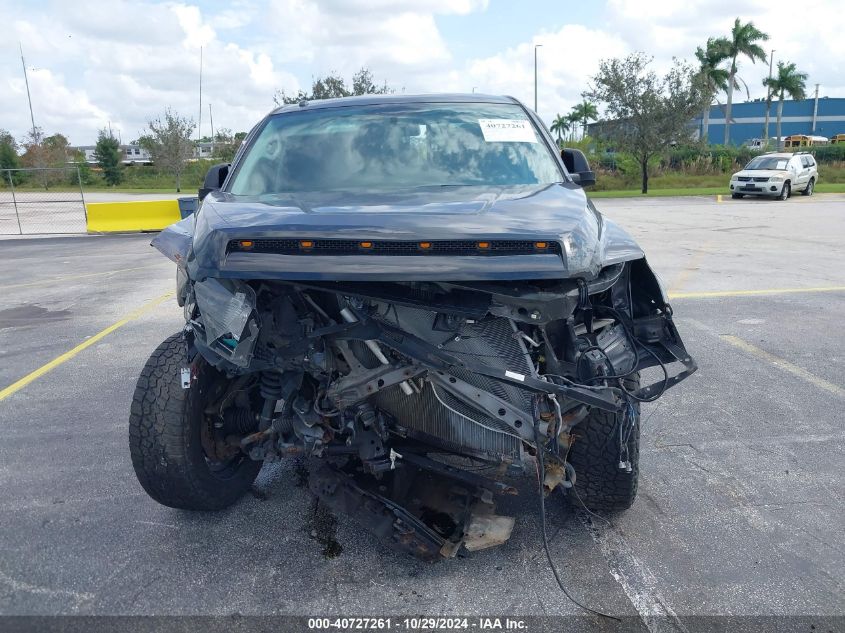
776, 175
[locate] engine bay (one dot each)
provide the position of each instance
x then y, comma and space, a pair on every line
399, 393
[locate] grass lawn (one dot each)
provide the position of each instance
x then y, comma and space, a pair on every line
824, 187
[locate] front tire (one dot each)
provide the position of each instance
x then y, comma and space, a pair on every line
165, 435
786, 191
595, 454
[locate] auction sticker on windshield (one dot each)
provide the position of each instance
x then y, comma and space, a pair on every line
507, 130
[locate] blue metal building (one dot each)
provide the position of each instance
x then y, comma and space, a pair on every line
824, 116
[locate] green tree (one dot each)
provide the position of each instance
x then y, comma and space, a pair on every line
787, 81
225, 145
363, 84
647, 113
169, 143
583, 113
45, 154
574, 121
86, 176
744, 40
560, 126
9, 158
108, 156
333, 86
714, 77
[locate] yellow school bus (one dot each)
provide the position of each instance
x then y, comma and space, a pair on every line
803, 140
837, 138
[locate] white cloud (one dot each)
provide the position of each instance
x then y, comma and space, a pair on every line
394, 38
126, 61
809, 34
85, 73
566, 59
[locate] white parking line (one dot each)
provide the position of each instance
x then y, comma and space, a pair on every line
635, 578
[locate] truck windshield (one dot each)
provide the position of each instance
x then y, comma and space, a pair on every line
395, 147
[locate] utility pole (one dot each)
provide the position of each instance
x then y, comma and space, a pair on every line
199, 122
536, 46
28, 97
768, 102
815, 110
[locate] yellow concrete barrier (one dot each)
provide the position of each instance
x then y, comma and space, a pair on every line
127, 217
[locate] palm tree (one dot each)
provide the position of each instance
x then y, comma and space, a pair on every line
743, 41
583, 113
715, 78
787, 81
574, 119
560, 126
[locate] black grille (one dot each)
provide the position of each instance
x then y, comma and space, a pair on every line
753, 179
390, 247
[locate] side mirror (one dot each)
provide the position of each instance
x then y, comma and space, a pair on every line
214, 179
578, 167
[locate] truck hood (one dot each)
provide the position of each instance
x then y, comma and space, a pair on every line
555, 213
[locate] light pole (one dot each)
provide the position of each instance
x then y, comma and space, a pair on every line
536, 46
768, 102
28, 97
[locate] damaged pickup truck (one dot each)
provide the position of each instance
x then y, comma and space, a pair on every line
415, 295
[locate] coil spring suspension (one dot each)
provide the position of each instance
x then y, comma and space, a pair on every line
270, 386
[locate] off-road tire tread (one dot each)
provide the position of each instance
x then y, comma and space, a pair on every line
164, 441
599, 482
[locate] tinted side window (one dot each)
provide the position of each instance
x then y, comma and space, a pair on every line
805, 161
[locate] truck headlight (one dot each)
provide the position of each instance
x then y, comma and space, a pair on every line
776, 179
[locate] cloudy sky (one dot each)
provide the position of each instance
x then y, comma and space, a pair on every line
91, 63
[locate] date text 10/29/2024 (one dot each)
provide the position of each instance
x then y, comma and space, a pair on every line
433, 624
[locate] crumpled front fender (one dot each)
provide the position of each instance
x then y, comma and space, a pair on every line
175, 241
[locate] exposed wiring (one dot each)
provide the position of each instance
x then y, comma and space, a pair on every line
590, 512
575, 384
636, 344
542, 469
319, 411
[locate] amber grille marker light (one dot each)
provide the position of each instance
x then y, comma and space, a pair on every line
425, 245
245, 243
306, 244
366, 244
541, 245
484, 245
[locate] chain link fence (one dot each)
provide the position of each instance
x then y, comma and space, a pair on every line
41, 200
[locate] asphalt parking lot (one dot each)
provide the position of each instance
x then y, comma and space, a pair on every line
740, 510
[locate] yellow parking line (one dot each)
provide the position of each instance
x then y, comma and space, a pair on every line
71, 277
795, 370
35, 375
752, 293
